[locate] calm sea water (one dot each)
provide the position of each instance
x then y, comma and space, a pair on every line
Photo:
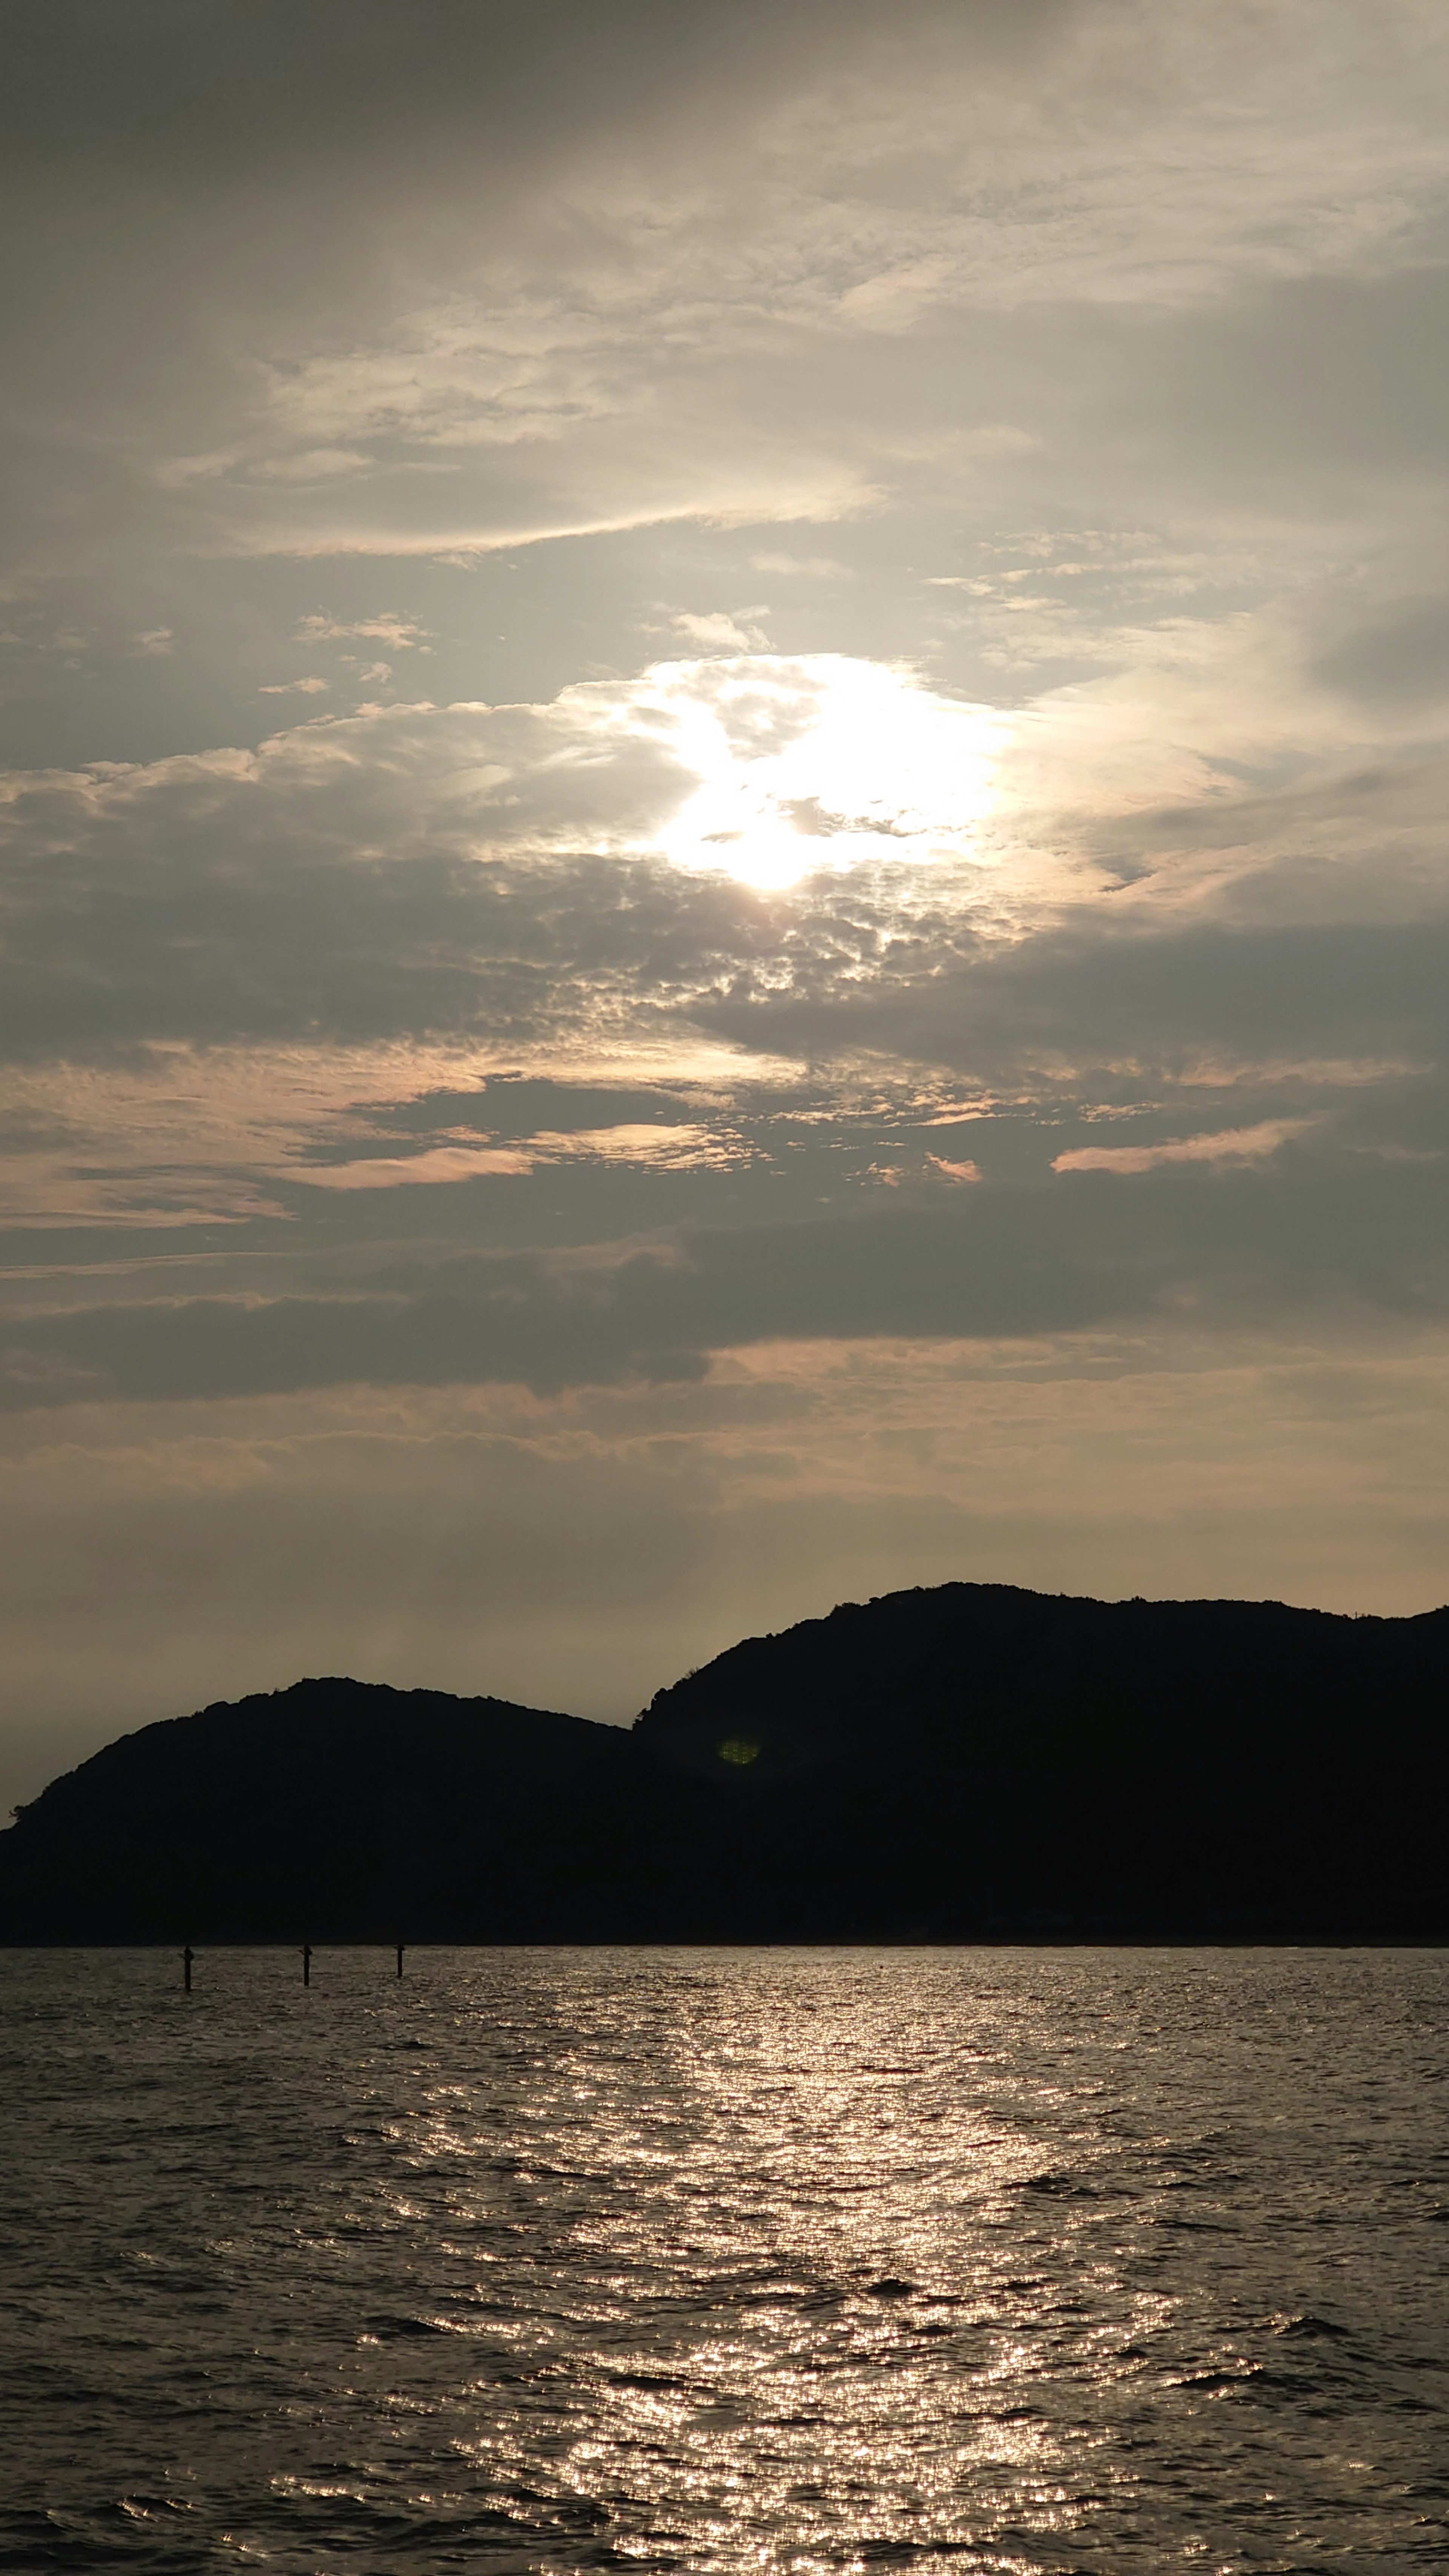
564, 2260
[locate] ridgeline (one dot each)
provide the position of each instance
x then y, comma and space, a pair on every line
969, 1763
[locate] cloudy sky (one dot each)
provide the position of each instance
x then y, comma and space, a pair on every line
725, 736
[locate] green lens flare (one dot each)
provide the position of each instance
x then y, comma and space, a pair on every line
738, 1749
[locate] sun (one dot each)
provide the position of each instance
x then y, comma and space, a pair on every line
823, 762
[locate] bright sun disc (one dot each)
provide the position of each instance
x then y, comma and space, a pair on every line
822, 762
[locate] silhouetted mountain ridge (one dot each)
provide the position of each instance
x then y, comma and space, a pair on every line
973, 1761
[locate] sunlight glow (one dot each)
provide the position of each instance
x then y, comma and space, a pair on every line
819, 762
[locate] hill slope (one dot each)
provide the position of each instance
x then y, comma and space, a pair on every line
1009, 1756
336, 1808
969, 1762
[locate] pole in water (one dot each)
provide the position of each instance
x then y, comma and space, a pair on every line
399, 1958
306, 1963
187, 1955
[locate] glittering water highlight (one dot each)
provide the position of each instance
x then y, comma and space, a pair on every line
703, 2260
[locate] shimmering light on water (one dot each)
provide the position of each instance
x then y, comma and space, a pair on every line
795, 2260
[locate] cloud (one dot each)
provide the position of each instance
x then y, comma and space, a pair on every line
1223, 1246
1233, 1145
1401, 660
587, 284
417, 868
312, 465
544, 881
1072, 375
718, 632
802, 567
404, 634
444, 1163
680, 1147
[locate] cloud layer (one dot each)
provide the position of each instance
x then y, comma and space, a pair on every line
722, 859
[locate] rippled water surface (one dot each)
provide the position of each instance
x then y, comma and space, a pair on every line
555, 2260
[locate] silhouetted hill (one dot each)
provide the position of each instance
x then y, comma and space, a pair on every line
334, 1807
1001, 1757
965, 1763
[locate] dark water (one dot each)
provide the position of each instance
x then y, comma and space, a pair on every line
798, 2260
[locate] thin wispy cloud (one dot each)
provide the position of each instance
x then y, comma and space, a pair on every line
1231, 1145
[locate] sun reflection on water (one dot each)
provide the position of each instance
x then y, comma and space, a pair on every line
791, 2325
710, 2261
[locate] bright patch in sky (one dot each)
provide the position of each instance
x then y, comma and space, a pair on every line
822, 761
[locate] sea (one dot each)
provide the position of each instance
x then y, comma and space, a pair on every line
723, 2260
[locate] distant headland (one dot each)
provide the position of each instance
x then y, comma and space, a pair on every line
973, 1762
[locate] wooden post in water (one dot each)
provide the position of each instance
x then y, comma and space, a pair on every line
306, 1963
399, 1958
186, 1958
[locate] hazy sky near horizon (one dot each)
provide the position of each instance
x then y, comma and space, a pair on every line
724, 737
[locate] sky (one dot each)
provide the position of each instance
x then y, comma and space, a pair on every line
724, 736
